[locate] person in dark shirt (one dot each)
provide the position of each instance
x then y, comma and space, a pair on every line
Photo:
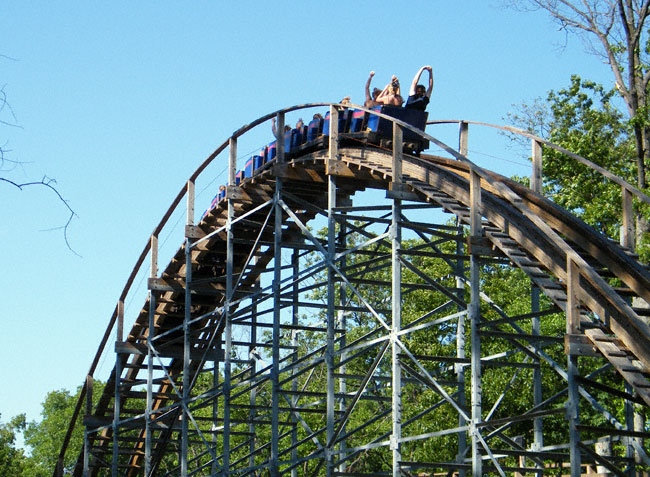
418, 94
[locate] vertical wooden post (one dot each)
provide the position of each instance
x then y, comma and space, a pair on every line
476, 227
232, 161
573, 311
120, 321
463, 138
154, 255
190, 202
536, 175
627, 222
398, 153
279, 137
333, 136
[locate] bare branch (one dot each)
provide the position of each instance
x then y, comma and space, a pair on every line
5, 104
49, 183
7, 110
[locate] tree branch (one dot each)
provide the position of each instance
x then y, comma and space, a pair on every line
49, 183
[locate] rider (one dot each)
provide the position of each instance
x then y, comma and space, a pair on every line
418, 95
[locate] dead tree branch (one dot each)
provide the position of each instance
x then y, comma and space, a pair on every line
49, 183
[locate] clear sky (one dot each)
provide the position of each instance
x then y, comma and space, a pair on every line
121, 101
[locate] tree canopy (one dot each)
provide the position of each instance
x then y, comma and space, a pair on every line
12, 460
42, 438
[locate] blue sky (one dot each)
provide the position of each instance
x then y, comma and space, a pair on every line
121, 101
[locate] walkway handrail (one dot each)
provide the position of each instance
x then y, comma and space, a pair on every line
242, 130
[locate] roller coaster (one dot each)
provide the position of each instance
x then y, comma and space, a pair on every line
331, 314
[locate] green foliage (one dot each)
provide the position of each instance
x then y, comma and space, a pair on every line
44, 438
12, 460
584, 121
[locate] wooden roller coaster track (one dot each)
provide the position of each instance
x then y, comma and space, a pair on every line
267, 348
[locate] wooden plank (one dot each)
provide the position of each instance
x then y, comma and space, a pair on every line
579, 345
622, 364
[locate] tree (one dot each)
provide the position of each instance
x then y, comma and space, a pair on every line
45, 437
12, 460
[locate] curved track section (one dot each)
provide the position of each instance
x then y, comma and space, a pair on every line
352, 311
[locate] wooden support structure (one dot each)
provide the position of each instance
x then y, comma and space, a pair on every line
244, 361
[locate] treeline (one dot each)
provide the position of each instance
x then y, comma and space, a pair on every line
42, 438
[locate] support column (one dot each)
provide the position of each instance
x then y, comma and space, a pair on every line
572, 406
342, 323
536, 185
331, 318
629, 425
89, 410
252, 398
639, 426
461, 354
227, 366
396, 288
186, 358
538, 433
118, 376
329, 353
148, 438
187, 334
295, 310
277, 283
215, 414
476, 231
